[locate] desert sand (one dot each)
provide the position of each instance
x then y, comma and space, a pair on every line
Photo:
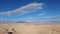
30, 28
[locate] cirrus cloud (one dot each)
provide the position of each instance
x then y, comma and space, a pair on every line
32, 7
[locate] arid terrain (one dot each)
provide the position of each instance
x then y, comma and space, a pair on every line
29, 28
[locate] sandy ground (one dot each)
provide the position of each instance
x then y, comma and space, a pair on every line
20, 28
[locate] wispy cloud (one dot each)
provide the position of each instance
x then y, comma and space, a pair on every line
48, 18
42, 14
32, 7
43, 19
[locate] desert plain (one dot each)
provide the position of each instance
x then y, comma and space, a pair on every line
30, 28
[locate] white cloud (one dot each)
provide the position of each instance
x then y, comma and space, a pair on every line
48, 18
43, 19
42, 14
32, 7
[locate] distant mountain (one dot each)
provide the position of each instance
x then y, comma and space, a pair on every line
46, 22
7, 22
21, 22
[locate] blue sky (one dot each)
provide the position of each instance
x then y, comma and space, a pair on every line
30, 10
